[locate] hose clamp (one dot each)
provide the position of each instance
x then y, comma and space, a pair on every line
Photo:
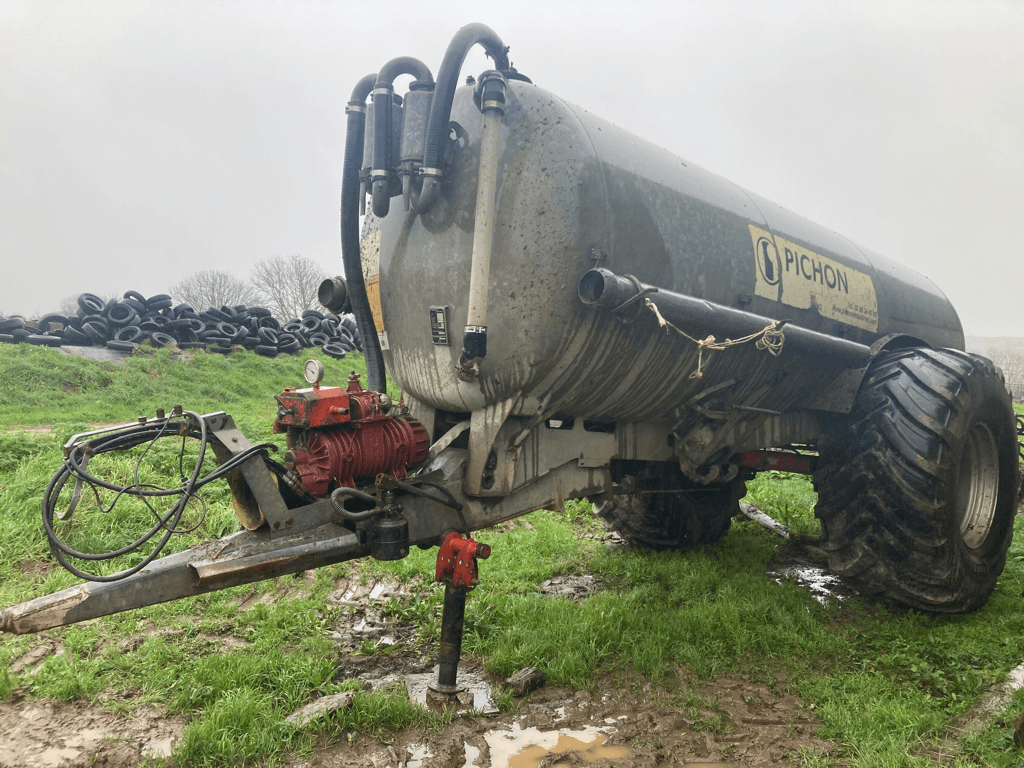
377, 174
431, 172
493, 104
355, 108
384, 90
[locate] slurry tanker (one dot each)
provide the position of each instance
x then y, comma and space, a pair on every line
572, 312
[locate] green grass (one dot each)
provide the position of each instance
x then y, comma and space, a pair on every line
882, 682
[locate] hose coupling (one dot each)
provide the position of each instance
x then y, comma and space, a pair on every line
489, 93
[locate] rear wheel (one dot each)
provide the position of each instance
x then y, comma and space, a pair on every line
917, 486
668, 511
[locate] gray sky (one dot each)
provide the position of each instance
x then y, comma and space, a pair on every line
141, 142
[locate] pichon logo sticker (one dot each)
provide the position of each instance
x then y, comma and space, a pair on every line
797, 277
768, 261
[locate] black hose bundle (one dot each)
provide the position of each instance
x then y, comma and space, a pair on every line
187, 425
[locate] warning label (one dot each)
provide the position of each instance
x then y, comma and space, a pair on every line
794, 276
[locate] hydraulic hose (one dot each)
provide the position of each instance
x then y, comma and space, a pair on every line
166, 523
383, 100
441, 107
376, 379
338, 497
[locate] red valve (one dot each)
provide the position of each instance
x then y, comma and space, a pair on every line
456, 561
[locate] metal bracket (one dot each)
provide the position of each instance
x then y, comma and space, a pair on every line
254, 491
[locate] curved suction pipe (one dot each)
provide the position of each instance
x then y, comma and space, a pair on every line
350, 192
441, 108
383, 100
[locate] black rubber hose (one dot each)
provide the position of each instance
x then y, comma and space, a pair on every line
383, 101
162, 523
444, 95
339, 494
376, 379
76, 462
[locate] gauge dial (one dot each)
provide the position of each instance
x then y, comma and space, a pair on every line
313, 371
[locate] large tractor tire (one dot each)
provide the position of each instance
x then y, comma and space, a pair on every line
917, 486
667, 511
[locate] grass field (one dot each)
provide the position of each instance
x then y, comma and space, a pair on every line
883, 682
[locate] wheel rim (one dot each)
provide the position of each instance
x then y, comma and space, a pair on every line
978, 486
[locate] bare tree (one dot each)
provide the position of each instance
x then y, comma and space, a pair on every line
1012, 362
213, 288
69, 304
287, 285
1005, 351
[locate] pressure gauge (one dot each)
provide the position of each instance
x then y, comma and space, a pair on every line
313, 372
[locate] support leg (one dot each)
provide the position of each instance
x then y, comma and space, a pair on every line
457, 570
452, 619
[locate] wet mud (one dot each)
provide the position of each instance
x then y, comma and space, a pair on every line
627, 724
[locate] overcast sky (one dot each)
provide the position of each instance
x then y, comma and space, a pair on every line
143, 141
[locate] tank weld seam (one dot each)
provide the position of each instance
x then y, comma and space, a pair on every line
771, 338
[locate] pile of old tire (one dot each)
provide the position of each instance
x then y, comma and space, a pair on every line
123, 324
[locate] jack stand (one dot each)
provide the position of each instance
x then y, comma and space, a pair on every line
457, 570
451, 639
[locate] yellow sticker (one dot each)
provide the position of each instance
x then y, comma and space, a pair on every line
797, 277
369, 253
373, 297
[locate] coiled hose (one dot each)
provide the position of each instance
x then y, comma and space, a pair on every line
190, 425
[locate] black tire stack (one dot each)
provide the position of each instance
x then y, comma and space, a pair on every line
124, 323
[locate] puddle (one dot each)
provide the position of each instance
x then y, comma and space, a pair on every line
529, 747
471, 682
823, 586
420, 752
575, 587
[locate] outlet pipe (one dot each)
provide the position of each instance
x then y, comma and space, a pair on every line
624, 295
350, 193
383, 102
490, 97
441, 107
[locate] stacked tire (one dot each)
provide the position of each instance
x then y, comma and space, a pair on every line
125, 323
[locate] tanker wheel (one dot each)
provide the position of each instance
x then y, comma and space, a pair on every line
668, 511
917, 486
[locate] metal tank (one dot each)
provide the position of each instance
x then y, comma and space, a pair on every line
574, 193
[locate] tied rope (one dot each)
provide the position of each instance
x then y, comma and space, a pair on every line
770, 338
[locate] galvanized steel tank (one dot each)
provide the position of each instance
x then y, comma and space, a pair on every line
575, 192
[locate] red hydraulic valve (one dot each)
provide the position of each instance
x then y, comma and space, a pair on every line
456, 561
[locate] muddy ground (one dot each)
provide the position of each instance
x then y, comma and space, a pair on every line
555, 726
623, 721
627, 723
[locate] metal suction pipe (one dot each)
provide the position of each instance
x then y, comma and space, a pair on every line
383, 101
350, 192
624, 296
441, 107
490, 94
